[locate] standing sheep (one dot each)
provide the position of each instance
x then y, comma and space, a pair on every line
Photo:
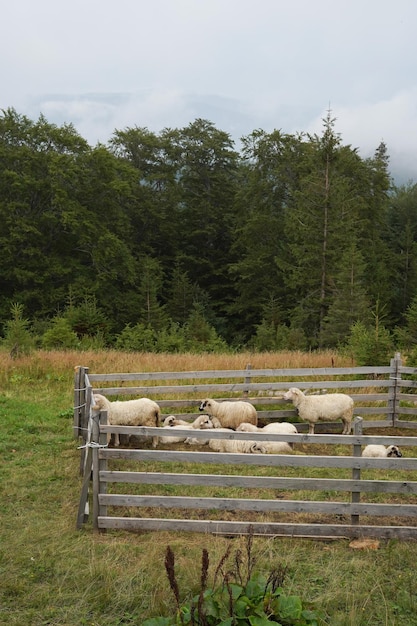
230, 414
326, 408
374, 450
139, 412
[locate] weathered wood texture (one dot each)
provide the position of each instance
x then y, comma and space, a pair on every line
339, 509
383, 391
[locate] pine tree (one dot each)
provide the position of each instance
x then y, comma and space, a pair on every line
349, 301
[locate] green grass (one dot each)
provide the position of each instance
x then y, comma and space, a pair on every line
52, 574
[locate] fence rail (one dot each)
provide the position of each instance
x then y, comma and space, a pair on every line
287, 503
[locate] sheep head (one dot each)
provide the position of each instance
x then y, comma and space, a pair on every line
292, 393
394, 451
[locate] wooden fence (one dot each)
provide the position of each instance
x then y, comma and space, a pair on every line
271, 494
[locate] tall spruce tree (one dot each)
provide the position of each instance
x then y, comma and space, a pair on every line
320, 219
349, 303
267, 176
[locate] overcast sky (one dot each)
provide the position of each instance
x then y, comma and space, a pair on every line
241, 64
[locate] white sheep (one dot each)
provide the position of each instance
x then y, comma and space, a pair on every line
271, 427
276, 447
235, 445
326, 407
273, 447
374, 450
139, 412
200, 422
230, 414
172, 420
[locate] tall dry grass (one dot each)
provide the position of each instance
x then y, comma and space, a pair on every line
57, 363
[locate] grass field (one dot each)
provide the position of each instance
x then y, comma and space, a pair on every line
53, 574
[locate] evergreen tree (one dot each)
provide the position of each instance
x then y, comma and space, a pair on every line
349, 301
320, 221
18, 337
401, 236
266, 181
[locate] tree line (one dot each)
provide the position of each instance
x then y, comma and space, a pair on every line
170, 240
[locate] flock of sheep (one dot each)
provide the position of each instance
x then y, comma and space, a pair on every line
240, 416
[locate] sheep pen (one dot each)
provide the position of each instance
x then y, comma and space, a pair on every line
245, 478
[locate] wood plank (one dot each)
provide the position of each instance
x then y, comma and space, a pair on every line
204, 390
245, 373
267, 460
258, 528
260, 482
258, 505
300, 438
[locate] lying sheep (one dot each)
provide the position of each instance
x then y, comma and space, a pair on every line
230, 414
272, 427
374, 450
274, 447
235, 445
200, 422
326, 408
172, 420
139, 412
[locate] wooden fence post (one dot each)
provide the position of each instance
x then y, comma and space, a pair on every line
393, 401
356, 472
95, 435
247, 380
102, 465
80, 396
393, 404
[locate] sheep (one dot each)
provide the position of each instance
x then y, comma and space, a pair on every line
274, 447
230, 414
235, 445
327, 407
172, 420
201, 422
139, 412
381, 451
271, 427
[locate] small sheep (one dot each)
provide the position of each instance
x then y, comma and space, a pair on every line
139, 412
276, 447
271, 427
230, 414
200, 422
235, 445
172, 420
327, 408
273, 447
374, 450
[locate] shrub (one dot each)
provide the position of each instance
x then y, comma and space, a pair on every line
59, 335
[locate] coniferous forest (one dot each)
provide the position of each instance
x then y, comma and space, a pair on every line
177, 241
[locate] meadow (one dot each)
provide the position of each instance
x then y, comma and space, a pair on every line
53, 574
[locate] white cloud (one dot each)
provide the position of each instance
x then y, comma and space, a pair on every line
242, 64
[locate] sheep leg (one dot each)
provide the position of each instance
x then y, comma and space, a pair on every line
346, 428
311, 428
